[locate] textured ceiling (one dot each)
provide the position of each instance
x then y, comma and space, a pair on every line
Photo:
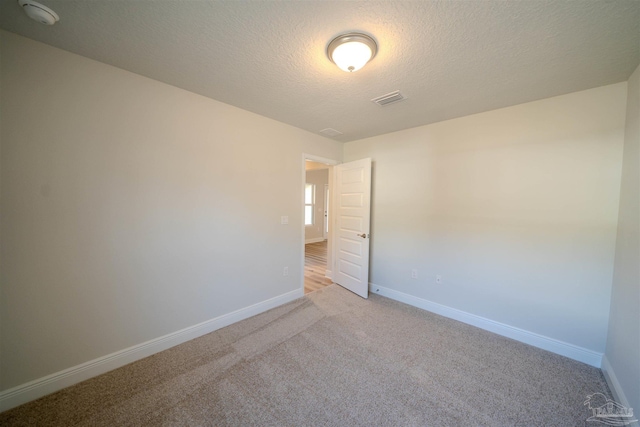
449, 58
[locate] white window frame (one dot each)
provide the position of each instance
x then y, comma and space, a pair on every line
311, 205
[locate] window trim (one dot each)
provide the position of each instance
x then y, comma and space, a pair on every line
312, 205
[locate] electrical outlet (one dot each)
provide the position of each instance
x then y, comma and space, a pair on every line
284, 220
414, 274
439, 279
285, 271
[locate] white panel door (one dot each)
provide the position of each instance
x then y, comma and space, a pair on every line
353, 208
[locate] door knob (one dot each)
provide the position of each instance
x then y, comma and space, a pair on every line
364, 236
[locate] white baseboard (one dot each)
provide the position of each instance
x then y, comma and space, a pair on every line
42, 386
614, 384
550, 344
314, 240
328, 274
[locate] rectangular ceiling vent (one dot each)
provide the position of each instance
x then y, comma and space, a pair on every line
330, 132
389, 98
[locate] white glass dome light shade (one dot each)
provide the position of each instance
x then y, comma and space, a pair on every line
39, 12
350, 52
351, 56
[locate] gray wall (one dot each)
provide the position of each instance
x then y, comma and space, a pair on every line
623, 344
515, 208
132, 209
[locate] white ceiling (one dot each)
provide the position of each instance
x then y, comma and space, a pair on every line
449, 58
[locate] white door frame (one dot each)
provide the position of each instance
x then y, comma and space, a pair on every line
325, 221
303, 181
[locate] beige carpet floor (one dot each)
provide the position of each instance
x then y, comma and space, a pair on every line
332, 359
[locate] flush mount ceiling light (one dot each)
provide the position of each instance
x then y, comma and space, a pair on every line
39, 12
352, 51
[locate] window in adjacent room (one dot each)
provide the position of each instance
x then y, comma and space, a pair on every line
309, 203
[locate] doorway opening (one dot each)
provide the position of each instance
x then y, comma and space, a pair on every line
348, 221
317, 223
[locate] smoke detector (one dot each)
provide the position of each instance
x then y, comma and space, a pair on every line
39, 12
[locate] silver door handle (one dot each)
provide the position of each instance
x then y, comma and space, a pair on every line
364, 236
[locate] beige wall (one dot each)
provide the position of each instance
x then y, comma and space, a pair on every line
623, 343
310, 165
515, 208
131, 209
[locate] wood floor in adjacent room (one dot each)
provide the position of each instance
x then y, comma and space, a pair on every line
315, 266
